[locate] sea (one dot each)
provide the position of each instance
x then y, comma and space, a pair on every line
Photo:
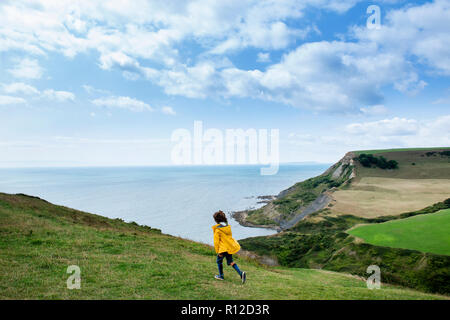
179, 200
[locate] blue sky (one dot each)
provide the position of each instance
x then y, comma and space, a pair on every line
104, 83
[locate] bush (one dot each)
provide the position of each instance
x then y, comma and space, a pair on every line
369, 160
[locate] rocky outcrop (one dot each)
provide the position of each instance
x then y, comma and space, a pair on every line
340, 170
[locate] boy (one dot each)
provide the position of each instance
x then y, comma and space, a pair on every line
225, 245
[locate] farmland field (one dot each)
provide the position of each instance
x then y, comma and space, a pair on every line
426, 233
422, 178
372, 197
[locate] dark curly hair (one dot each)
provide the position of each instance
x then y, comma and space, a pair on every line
219, 217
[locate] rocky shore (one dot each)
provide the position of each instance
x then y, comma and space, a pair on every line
241, 218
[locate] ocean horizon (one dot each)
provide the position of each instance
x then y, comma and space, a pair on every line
179, 200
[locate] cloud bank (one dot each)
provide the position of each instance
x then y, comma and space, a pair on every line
144, 40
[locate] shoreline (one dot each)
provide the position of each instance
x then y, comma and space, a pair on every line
240, 217
318, 204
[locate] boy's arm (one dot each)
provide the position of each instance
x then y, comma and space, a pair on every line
216, 240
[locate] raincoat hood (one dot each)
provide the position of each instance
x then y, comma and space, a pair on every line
223, 239
225, 229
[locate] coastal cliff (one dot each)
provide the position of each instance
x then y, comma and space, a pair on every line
300, 200
316, 218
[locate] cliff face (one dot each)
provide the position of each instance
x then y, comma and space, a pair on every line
344, 169
302, 199
341, 171
367, 189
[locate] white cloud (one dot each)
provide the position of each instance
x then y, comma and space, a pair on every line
27, 68
109, 60
321, 76
241, 83
263, 57
151, 29
382, 134
50, 94
91, 90
337, 75
20, 87
334, 75
422, 31
123, 103
437, 130
59, 96
168, 110
8, 100
387, 127
197, 81
329, 75
375, 110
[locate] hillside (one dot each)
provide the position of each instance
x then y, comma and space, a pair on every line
365, 187
421, 178
426, 233
118, 260
322, 241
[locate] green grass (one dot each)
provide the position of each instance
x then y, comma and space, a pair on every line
398, 150
322, 242
426, 233
258, 217
119, 260
418, 163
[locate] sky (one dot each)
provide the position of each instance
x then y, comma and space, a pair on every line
106, 83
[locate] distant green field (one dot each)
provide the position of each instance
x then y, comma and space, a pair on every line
426, 233
398, 150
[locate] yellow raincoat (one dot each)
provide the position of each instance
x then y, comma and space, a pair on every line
223, 240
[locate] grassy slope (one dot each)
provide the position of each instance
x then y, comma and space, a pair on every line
427, 233
321, 241
413, 164
120, 260
423, 178
374, 195
398, 150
